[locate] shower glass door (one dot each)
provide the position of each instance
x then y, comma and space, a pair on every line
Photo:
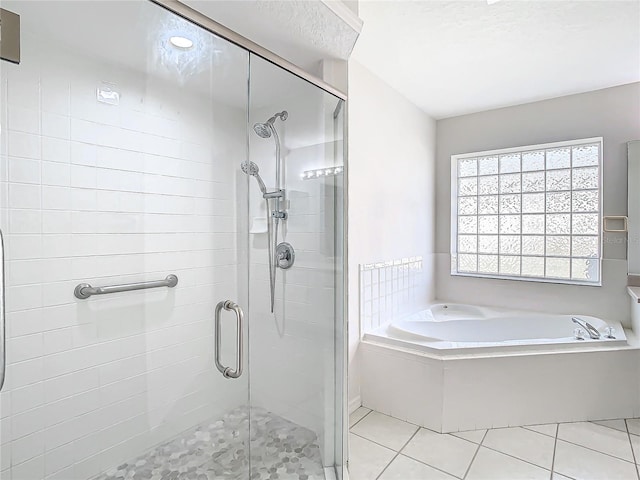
297, 325
123, 129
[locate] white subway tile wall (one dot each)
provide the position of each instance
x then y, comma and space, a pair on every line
105, 195
389, 290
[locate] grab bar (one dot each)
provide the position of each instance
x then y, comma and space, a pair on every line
228, 372
84, 290
3, 338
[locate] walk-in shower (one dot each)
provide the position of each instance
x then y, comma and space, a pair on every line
140, 341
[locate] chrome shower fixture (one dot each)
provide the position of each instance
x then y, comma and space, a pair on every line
252, 169
280, 255
263, 130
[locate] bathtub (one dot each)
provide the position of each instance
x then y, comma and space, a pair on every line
446, 328
456, 367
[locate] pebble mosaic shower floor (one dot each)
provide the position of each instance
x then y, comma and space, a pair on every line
279, 449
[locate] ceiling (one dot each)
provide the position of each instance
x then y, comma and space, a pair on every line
302, 31
454, 57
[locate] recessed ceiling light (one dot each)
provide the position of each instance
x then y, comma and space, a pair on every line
181, 42
491, 2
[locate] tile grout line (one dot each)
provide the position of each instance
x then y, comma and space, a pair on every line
526, 427
597, 451
424, 463
475, 454
398, 453
463, 439
514, 457
372, 441
633, 453
555, 444
500, 451
584, 446
484, 446
505, 453
408, 456
363, 417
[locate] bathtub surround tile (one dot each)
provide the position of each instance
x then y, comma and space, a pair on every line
615, 424
596, 437
489, 464
405, 468
385, 430
367, 459
474, 436
358, 415
386, 286
578, 462
445, 452
546, 429
524, 444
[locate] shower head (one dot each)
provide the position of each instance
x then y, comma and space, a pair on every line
263, 130
283, 115
252, 169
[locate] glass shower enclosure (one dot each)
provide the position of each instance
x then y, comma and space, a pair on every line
171, 208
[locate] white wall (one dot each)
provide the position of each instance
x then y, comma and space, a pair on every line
106, 195
611, 113
391, 189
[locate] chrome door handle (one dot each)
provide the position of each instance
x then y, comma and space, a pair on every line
228, 372
3, 338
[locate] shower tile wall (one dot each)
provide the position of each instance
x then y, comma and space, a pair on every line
389, 290
105, 195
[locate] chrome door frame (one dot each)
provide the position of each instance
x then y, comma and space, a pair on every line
220, 30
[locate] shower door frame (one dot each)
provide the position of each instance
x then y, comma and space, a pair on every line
220, 30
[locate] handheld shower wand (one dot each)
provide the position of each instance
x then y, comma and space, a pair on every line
252, 169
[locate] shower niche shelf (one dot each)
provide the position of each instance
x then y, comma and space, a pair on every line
258, 225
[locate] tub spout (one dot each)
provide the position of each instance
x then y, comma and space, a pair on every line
591, 330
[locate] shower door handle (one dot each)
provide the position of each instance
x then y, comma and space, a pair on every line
3, 338
228, 372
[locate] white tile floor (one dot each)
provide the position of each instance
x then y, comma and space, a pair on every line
384, 448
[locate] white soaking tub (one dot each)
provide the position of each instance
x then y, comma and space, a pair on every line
456, 367
456, 329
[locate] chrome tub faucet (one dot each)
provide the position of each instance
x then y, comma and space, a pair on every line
593, 332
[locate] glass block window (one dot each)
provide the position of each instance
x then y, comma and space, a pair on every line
528, 213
